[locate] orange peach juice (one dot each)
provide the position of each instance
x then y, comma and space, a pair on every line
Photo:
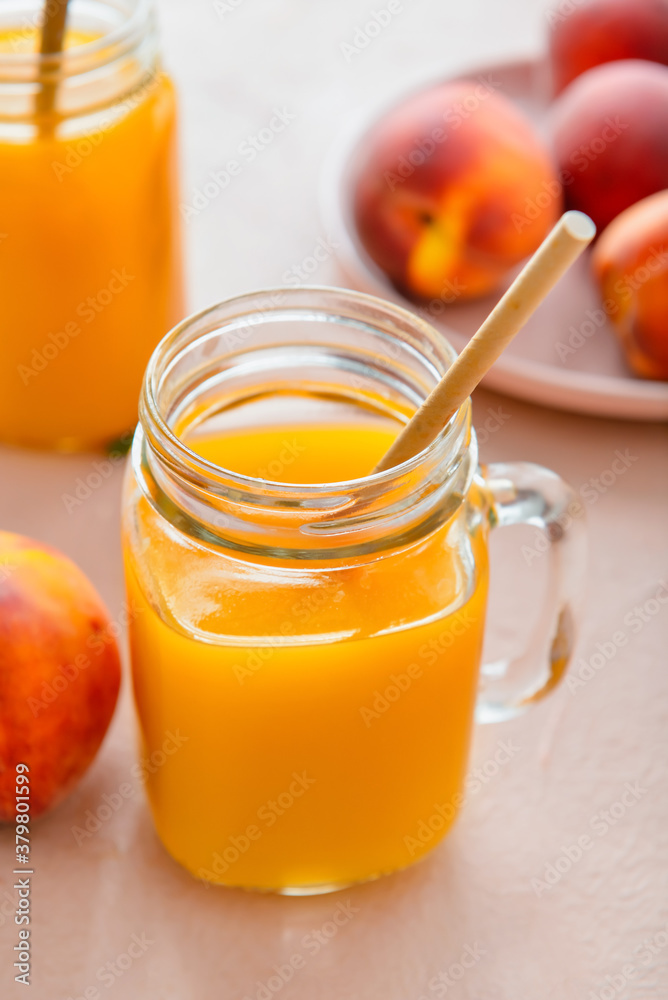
90, 273
308, 750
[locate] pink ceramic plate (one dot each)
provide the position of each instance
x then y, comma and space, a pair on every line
567, 356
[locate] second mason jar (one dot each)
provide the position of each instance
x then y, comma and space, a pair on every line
90, 255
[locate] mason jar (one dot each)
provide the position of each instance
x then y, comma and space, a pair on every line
90, 254
306, 633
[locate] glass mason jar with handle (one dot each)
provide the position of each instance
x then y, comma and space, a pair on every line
90, 256
305, 634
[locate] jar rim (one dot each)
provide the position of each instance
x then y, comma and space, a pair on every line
89, 55
188, 464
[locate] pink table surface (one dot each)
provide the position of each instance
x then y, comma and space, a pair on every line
469, 913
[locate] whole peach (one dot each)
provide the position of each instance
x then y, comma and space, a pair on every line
610, 131
601, 31
630, 263
59, 673
453, 189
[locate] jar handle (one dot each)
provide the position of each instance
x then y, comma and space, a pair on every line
523, 493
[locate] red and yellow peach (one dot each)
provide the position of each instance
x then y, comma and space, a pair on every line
601, 31
630, 263
59, 673
610, 131
453, 189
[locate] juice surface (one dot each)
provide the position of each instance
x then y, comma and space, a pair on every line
317, 722
299, 454
90, 266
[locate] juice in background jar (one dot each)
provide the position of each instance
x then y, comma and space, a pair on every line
312, 754
90, 257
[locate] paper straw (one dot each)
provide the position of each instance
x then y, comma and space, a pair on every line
53, 36
573, 232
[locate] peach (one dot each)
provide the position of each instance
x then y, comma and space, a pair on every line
601, 31
59, 673
610, 131
630, 263
453, 189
